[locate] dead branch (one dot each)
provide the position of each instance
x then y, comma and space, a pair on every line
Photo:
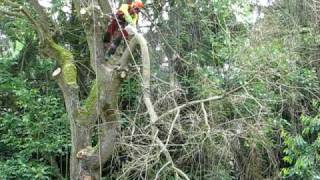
11, 14
191, 103
146, 76
214, 98
205, 116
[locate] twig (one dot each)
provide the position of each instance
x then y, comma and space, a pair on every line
191, 103
171, 128
205, 116
214, 98
165, 165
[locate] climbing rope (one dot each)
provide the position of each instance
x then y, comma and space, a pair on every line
97, 69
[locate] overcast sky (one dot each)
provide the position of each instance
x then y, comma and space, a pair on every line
237, 10
45, 3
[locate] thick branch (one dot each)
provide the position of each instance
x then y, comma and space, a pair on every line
92, 19
147, 100
88, 112
146, 77
65, 60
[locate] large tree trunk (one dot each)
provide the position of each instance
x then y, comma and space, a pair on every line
100, 107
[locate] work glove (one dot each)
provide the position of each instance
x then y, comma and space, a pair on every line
131, 29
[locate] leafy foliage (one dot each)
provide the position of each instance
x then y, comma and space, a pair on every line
34, 130
301, 148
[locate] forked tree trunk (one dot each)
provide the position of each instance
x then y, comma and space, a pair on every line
101, 104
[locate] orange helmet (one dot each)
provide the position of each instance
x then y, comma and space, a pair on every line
138, 4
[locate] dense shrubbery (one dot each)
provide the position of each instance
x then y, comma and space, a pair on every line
34, 133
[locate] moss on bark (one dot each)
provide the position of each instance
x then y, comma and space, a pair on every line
89, 106
92, 98
70, 73
65, 60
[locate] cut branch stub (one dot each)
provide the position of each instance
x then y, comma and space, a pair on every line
56, 72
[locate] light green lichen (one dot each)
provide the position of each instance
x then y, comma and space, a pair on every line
89, 106
70, 73
92, 98
65, 59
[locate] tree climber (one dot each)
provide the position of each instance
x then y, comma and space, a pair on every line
126, 17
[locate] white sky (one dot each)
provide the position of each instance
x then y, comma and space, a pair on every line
250, 17
45, 3
237, 10
263, 2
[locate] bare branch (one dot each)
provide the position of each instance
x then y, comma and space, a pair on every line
205, 116
12, 4
214, 98
191, 103
11, 14
147, 100
146, 77
46, 22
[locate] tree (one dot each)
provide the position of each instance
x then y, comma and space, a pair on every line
100, 106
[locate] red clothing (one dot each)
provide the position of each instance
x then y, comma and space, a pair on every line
114, 33
114, 25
